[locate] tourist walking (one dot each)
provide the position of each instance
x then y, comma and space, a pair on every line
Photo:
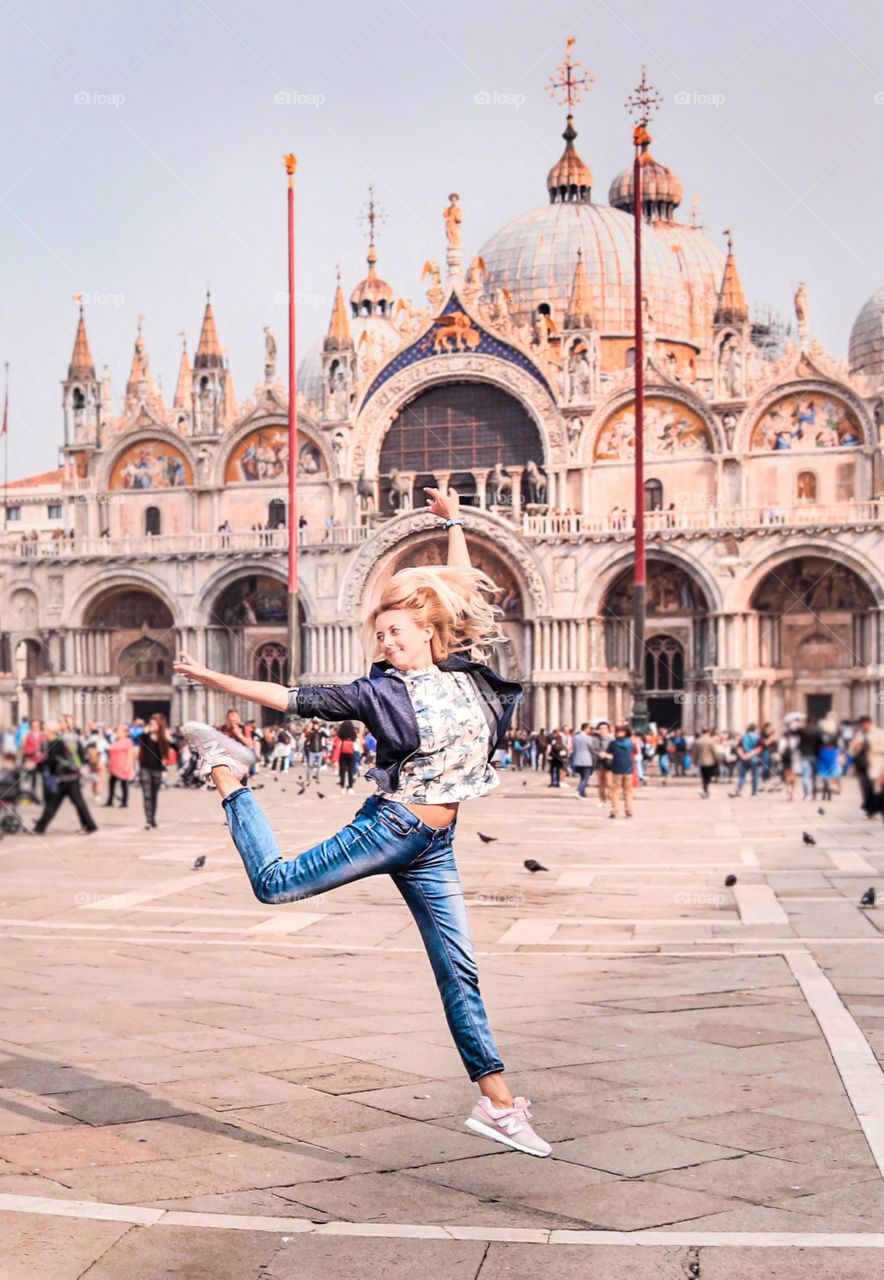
581, 759
153, 754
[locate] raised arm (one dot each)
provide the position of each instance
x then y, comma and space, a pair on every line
447, 506
261, 691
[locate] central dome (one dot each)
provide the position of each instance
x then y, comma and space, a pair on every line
534, 257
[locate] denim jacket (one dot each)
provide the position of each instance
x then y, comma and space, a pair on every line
380, 700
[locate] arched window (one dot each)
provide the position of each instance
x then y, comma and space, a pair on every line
146, 659
664, 665
806, 486
270, 663
276, 514
630, 357
152, 521
653, 495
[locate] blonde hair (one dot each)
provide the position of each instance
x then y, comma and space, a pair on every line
454, 601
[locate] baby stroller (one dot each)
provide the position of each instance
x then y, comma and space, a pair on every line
10, 797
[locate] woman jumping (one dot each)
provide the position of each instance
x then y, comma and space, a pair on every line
438, 715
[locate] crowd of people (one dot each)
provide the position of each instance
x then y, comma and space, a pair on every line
44, 764
804, 757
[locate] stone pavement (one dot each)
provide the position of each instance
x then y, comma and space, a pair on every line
195, 1085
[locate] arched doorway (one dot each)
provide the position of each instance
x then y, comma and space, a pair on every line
510, 658
664, 680
247, 632
817, 635
680, 643
132, 634
458, 427
276, 513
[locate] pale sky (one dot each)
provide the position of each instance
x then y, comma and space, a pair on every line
171, 177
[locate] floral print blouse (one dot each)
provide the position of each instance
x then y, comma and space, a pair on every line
451, 763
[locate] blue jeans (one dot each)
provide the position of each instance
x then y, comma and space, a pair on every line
384, 837
750, 766
585, 772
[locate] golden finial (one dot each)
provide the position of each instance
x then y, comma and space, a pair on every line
643, 103
291, 163
572, 79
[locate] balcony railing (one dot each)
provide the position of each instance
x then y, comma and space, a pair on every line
703, 519
533, 527
45, 547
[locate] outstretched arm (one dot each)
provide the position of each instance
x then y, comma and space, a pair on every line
261, 691
448, 507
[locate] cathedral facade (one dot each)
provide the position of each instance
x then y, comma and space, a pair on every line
513, 382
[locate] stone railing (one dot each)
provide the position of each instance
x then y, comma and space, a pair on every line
704, 519
45, 547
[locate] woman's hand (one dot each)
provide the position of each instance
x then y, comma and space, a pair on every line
445, 506
188, 667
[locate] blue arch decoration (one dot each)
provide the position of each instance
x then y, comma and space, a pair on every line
481, 343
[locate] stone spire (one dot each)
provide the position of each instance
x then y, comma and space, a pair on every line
208, 352
184, 388
732, 307
140, 384
579, 313
569, 181
82, 365
229, 399
338, 335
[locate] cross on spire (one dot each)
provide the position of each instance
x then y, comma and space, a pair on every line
644, 101
573, 79
372, 215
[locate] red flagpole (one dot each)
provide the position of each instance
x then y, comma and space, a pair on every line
294, 628
639, 696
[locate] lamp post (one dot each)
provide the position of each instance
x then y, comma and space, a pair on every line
643, 100
294, 621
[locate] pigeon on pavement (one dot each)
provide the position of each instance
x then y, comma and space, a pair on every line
868, 898
531, 865
486, 839
807, 837
200, 862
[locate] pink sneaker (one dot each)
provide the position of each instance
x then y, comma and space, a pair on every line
215, 748
508, 1125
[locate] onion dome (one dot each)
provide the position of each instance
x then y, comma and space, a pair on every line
661, 190
372, 296
82, 367
866, 352
569, 181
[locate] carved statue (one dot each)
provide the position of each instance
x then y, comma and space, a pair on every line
364, 492
339, 389
730, 368
453, 216
455, 332
400, 490
434, 288
201, 465
536, 482
269, 354
501, 318
580, 372
404, 317
801, 312
499, 483
574, 427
